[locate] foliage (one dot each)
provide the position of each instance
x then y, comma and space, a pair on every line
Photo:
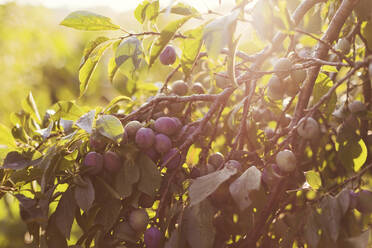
292, 121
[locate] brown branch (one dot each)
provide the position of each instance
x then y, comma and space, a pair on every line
321, 52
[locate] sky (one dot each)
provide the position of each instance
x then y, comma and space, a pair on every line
116, 5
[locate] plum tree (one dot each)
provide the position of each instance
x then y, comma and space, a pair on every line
112, 162
145, 137
356, 107
166, 125
162, 143
138, 220
216, 159
308, 128
343, 45
295, 136
94, 162
180, 87
172, 159
197, 88
282, 67
168, 56
286, 160
97, 142
132, 127
275, 88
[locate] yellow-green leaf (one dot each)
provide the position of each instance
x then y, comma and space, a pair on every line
313, 179
85, 20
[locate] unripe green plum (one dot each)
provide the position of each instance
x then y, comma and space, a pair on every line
93, 161
343, 45
197, 88
282, 67
275, 88
308, 128
112, 162
291, 88
298, 76
145, 137
216, 159
162, 143
138, 220
180, 87
172, 159
286, 160
356, 107
364, 201
168, 56
153, 237
166, 125
222, 81
132, 127
97, 142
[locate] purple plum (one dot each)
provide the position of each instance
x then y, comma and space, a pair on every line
94, 162
145, 137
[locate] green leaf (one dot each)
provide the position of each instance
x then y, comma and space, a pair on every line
107, 188
240, 189
147, 10
311, 229
150, 178
84, 195
331, 215
191, 47
90, 47
204, 186
85, 20
361, 159
217, 34
124, 231
343, 198
322, 86
128, 56
182, 9
85, 122
45, 132
108, 214
313, 179
66, 110
30, 107
360, 241
65, 212
128, 175
329, 68
165, 36
176, 240
198, 225
116, 100
16, 161
89, 65
110, 127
